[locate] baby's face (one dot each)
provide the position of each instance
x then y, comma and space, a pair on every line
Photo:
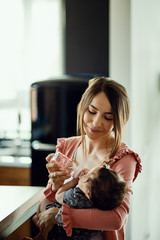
83, 182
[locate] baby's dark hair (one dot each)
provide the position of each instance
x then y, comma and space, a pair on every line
108, 189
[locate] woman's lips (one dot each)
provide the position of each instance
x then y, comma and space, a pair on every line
95, 131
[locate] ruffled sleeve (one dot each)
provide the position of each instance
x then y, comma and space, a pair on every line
124, 151
60, 145
66, 215
48, 192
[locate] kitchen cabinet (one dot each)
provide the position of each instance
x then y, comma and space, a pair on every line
14, 176
19, 176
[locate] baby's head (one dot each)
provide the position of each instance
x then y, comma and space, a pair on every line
104, 187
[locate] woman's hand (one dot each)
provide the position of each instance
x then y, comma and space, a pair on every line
45, 221
56, 173
42, 204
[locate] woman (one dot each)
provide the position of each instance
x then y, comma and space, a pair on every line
102, 113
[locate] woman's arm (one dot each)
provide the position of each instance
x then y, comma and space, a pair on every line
98, 219
57, 176
59, 195
94, 218
45, 221
66, 146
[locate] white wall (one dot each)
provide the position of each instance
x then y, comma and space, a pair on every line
119, 59
119, 46
119, 55
135, 62
145, 119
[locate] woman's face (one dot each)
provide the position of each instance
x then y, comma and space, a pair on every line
98, 119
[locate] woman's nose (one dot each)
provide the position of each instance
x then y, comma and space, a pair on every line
97, 121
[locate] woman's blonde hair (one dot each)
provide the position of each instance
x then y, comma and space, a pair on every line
118, 98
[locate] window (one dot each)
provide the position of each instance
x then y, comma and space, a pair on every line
31, 50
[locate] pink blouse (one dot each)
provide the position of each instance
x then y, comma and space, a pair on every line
113, 223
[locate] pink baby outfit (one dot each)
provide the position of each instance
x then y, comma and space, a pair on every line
113, 223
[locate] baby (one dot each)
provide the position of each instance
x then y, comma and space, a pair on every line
100, 188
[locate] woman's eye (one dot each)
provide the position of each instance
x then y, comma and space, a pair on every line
109, 119
91, 112
105, 117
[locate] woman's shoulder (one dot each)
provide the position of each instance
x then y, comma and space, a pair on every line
125, 150
68, 145
69, 140
125, 153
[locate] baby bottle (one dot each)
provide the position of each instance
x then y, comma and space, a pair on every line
67, 163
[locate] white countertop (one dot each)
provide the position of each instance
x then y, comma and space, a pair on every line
17, 204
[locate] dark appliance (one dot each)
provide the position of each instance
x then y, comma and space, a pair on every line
86, 37
53, 115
